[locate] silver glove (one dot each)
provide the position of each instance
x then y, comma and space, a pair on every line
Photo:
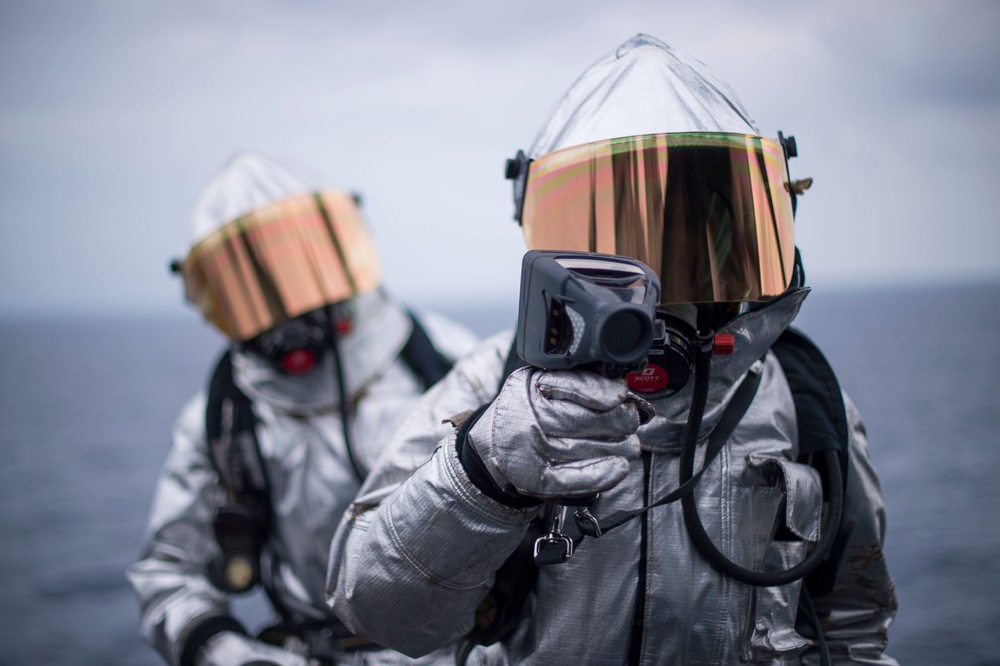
228, 648
562, 433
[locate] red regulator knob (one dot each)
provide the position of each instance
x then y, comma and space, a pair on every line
725, 343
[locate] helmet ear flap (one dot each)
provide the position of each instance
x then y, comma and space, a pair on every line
517, 171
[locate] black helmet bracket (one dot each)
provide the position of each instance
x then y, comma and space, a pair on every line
517, 171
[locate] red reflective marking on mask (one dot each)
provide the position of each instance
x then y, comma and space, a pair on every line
650, 379
298, 361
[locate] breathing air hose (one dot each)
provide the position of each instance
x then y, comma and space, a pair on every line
704, 544
346, 405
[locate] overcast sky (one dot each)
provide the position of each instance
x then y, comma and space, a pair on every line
114, 115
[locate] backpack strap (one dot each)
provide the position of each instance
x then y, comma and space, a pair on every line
241, 524
422, 357
822, 426
500, 611
819, 402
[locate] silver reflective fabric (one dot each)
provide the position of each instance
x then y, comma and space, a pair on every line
249, 181
418, 550
227, 648
642, 87
312, 481
364, 362
578, 428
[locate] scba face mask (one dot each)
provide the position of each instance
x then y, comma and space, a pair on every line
671, 358
297, 346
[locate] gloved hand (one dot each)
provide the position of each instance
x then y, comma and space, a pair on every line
561, 433
228, 648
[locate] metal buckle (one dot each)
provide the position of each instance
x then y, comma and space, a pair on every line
554, 547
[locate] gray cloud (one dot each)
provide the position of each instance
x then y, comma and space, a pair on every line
115, 114
940, 52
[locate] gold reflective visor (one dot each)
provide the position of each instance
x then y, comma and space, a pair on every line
280, 261
710, 213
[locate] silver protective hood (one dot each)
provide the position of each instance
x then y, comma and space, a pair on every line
642, 87
249, 181
753, 334
380, 329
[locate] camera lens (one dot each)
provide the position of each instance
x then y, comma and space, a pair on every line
623, 335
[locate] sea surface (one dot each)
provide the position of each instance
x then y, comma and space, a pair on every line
86, 407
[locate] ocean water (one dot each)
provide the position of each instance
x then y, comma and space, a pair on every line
86, 407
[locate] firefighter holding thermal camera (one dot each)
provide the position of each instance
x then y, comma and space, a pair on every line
657, 470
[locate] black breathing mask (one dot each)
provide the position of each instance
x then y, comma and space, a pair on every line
670, 360
297, 346
675, 345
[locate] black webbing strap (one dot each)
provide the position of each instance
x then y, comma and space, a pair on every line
822, 426
229, 429
819, 402
732, 415
422, 356
242, 522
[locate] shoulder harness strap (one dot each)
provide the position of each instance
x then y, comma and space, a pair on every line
819, 403
241, 524
822, 426
500, 611
422, 357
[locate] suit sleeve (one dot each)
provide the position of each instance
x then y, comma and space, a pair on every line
418, 550
177, 602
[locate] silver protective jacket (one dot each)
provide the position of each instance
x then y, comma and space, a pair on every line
311, 478
418, 550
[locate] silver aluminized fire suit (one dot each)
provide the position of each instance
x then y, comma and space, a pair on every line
418, 550
312, 481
